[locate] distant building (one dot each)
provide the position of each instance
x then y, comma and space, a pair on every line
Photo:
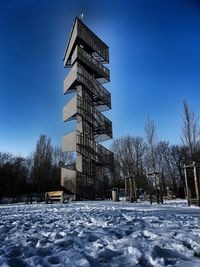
86, 55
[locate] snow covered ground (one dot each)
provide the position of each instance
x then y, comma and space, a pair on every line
100, 234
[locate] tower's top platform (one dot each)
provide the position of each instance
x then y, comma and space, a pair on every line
83, 36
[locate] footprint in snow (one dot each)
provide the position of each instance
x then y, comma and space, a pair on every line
170, 256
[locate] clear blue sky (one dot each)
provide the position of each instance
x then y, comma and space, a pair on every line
154, 63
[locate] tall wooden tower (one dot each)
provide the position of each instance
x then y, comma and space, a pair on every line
86, 55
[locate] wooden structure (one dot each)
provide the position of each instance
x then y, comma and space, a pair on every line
155, 188
86, 55
55, 195
130, 189
196, 183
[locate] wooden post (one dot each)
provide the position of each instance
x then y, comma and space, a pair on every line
186, 184
161, 192
196, 183
157, 189
126, 189
134, 183
150, 192
131, 189
46, 198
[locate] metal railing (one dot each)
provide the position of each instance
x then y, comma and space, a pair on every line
93, 116
94, 86
78, 72
104, 122
93, 42
83, 54
94, 151
105, 155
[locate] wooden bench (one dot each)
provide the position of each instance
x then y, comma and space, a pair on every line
55, 195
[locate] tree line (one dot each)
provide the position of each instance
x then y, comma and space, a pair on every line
134, 156
137, 156
35, 174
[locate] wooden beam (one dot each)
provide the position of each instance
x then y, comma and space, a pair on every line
131, 189
186, 184
126, 189
196, 183
134, 184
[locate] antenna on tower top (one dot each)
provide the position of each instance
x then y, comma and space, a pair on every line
81, 16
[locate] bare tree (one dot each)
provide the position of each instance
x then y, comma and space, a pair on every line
169, 165
37, 173
42, 165
129, 158
180, 156
151, 138
13, 173
59, 159
117, 148
190, 130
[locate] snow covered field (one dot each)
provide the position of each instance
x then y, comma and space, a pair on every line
100, 234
